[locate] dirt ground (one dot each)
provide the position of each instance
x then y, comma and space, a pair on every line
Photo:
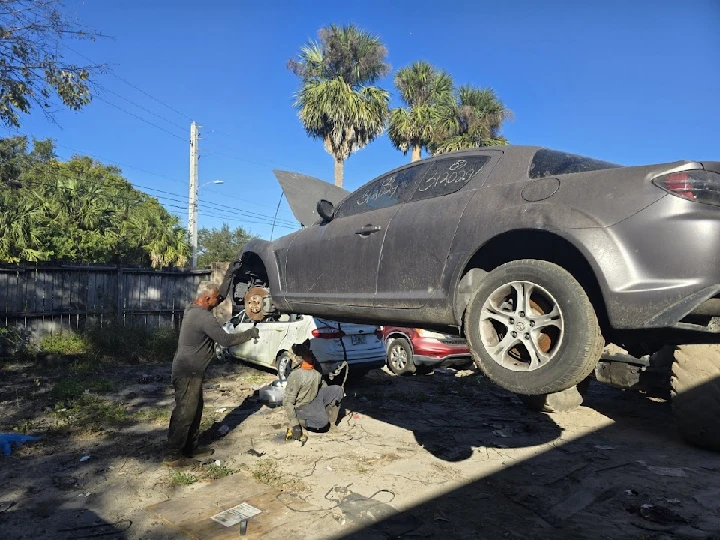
445, 455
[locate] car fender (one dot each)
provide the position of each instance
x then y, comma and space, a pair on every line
465, 280
398, 334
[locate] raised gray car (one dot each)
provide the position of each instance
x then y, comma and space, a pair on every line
538, 256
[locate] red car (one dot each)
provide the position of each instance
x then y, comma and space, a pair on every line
415, 349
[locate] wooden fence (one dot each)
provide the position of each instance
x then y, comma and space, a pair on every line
40, 300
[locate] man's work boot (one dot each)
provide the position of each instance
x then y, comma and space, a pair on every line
202, 452
333, 412
176, 460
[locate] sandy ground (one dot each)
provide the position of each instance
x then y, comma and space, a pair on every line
433, 456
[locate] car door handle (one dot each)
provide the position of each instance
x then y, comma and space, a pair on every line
367, 230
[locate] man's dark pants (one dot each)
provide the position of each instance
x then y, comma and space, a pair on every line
315, 413
186, 416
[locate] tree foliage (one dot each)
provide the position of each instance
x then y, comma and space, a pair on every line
33, 69
79, 211
427, 92
336, 102
475, 119
221, 245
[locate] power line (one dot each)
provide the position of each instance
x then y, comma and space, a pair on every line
218, 205
131, 197
207, 206
105, 89
118, 163
125, 165
141, 118
132, 85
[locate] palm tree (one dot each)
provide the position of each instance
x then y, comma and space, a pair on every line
337, 102
425, 90
22, 221
474, 120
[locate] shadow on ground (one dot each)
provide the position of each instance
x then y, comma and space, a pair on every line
633, 479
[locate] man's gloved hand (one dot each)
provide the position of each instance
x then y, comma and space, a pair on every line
293, 433
247, 335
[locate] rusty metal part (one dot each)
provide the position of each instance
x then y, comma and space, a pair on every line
255, 305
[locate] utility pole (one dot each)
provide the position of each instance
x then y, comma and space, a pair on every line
192, 209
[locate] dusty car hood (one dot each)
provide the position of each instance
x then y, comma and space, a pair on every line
303, 193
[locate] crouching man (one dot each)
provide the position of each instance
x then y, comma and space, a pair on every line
308, 401
199, 332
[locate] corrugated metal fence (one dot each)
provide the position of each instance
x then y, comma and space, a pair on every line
43, 299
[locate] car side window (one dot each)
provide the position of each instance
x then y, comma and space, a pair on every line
446, 176
388, 190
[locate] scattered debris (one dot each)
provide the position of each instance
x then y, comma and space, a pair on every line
631, 493
223, 430
85, 457
86, 494
222, 410
6, 505
604, 447
506, 432
658, 514
255, 453
668, 471
445, 371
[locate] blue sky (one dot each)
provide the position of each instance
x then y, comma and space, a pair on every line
627, 81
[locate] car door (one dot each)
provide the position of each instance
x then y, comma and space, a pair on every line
336, 262
264, 349
418, 241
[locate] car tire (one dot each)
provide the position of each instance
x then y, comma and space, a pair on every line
695, 385
551, 347
558, 402
400, 357
283, 364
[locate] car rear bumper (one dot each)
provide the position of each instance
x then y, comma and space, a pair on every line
659, 266
433, 351
354, 365
450, 360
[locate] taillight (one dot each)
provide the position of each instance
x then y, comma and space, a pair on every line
698, 186
327, 333
379, 334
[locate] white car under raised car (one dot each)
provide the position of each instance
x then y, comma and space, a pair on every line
331, 342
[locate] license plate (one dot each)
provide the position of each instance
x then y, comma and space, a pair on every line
357, 340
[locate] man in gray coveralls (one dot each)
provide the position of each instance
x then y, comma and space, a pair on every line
308, 401
196, 345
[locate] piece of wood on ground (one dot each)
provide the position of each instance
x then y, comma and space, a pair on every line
283, 515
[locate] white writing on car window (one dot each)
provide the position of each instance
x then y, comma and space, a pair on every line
386, 189
458, 172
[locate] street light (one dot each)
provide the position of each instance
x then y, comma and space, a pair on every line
192, 222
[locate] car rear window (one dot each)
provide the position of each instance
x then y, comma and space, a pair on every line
552, 163
446, 176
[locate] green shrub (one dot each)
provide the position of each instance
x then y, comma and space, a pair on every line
69, 389
180, 478
133, 344
93, 413
64, 343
